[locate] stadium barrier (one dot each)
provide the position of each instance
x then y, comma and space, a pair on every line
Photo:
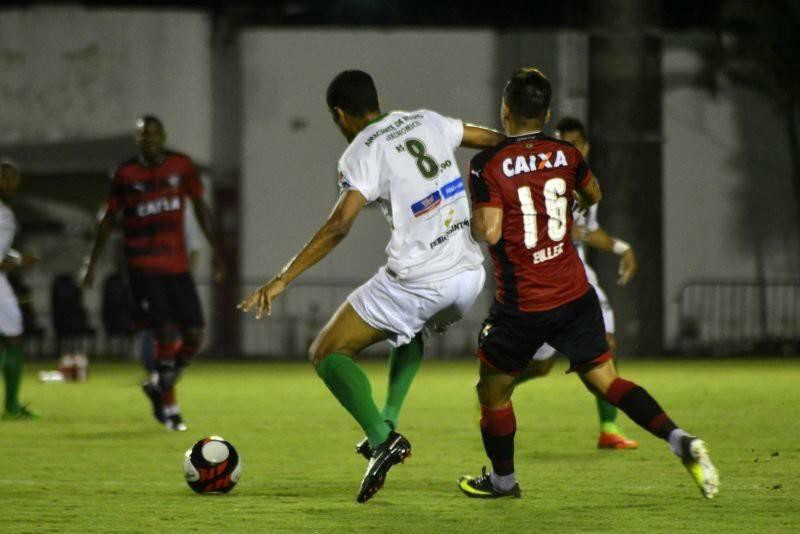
732, 316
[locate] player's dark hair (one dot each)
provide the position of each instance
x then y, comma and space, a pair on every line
145, 120
570, 124
353, 91
527, 94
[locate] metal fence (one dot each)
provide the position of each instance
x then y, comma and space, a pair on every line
739, 316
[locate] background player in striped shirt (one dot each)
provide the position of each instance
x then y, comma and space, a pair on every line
149, 193
586, 230
522, 191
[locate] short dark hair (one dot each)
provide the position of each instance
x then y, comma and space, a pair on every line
527, 94
571, 124
144, 120
353, 91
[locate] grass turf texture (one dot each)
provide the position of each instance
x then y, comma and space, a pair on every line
98, 462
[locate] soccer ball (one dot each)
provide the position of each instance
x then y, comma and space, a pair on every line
212, 465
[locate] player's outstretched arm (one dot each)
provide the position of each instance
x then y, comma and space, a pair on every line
601, 240
104, 228
487, 224
205, 219
480, 137
327, 237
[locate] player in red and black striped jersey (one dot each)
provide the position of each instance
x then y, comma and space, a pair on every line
149, 194
522, 193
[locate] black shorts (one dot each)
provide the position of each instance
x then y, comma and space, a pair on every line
509, 338
161, 299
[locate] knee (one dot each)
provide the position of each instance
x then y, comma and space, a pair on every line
612, 342
493, 396
192, 336
320, 348
167, 333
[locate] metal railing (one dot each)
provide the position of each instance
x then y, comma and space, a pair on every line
721, 316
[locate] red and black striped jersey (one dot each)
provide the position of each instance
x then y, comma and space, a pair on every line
532, 178
152, 200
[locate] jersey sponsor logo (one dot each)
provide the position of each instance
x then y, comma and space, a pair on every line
547, 254
159, 205
174, 180
452, 228
343, 183
533, 162
427, 204
139, 186
453, 188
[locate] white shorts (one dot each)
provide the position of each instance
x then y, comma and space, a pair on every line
546, 352
10, 314
405, 308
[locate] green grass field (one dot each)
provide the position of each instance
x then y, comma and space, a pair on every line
97, 462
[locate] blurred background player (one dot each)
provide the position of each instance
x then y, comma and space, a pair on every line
586, 230
150, 192
10, 314
146, 337
405, 161
521, 195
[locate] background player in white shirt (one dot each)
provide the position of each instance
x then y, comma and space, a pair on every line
10, 313
434, 273
587, 231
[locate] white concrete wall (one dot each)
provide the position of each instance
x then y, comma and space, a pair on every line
727, 183
74, 73
291, 145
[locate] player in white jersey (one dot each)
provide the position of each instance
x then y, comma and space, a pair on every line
10, 313
434, 272
587, 231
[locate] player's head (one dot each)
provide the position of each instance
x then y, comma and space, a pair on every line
526, 101
150, 137
572, 130
10, 177
353, 101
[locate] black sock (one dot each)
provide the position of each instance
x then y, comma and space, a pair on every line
498, 428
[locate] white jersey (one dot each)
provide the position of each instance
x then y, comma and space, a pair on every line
589, 220
405, 161
8, 228
10, 314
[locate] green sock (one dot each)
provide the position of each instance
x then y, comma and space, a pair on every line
351, 387
608, 416
12, 373
404, 362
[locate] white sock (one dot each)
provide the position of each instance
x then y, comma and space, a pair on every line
172, 409
502, 482
675, 438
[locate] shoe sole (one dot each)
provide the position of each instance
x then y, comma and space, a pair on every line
708, 477
379, 478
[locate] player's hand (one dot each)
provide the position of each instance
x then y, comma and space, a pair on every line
262, 297
28, 260
219, 268
627, 267
579, 232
